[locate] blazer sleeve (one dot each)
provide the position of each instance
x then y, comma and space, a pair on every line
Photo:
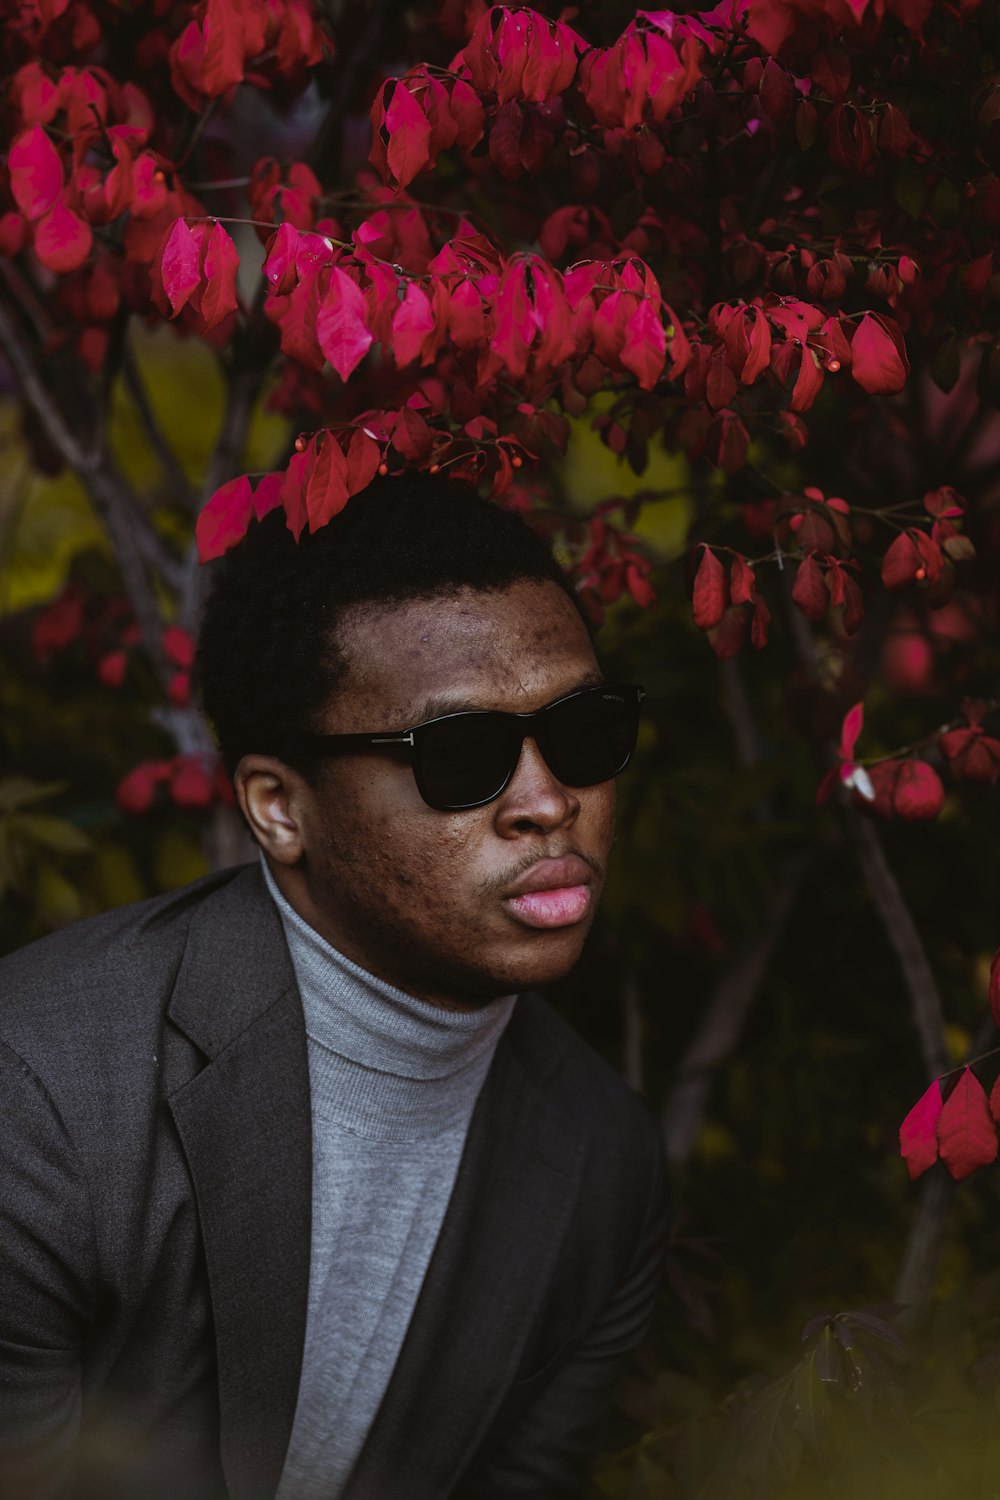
46, 1266
550, 1441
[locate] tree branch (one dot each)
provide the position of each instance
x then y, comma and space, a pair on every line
165, 455
726, 1014
111, 497
241, 398
901, 931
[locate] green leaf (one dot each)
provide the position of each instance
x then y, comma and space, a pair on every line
52, 833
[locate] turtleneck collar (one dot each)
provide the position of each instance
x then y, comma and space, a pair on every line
371, 1023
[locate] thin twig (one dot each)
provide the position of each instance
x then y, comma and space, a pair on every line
112, 499
165, 455
726, 1014
246, 378
901, 932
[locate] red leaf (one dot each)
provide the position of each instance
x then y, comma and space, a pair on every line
711, 591
220, 262
466, 316
809, 589
409, 131
909, 789
729, 636
878, 358
178, 647
136, 791
326, 491
343, 334
967, 1136
222, 60
850, 730
179, 689
36, 173
62, 239
179, 266
112, 667
224, 519
298, 325
644, 350
918, 1132
759, 623
759, 353
191, 786
741, 581
412, 325
267, 495
363, 458
808, 382
912, 558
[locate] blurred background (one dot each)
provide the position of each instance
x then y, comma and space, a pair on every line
782, 980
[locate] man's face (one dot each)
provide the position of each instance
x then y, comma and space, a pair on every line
426, 899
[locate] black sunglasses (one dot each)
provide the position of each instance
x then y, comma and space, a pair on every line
466, 759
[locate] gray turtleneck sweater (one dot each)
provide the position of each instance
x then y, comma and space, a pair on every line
393, 1083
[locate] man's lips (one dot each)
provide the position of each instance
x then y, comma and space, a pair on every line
551, 893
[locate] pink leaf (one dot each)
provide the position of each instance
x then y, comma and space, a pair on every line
967, 1136
267, 495
62, 239
741, 582
409, 131
412, 324
644, 351
224, 520
219, 264
180, 266
343, 334
326, 488
363, 458
854, 722
36, 174
178, 647
710, 591
878, 359
918, 1132
809, 590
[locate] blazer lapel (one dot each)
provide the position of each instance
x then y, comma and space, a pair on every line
244, 1124
487, 1279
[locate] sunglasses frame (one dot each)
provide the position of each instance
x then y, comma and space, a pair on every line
409, 739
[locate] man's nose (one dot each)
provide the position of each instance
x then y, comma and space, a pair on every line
535, 800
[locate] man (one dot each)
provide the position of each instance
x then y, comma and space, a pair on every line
303, 1191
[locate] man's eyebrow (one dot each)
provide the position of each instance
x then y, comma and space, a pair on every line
449, 703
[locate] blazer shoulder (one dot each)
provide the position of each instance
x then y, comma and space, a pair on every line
99, 957
579, 1081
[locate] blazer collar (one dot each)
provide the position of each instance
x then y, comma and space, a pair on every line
245, 1127
488, 1277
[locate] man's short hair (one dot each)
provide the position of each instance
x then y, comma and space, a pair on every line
268, 659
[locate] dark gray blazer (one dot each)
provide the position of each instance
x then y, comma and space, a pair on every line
155, 1163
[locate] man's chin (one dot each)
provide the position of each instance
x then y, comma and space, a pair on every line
546, 959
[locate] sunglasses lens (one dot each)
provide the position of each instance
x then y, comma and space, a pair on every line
464, 760
591, 736
467, 759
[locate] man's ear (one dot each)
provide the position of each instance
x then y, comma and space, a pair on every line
273, 798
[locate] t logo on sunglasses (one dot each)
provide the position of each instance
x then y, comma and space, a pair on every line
466, 759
